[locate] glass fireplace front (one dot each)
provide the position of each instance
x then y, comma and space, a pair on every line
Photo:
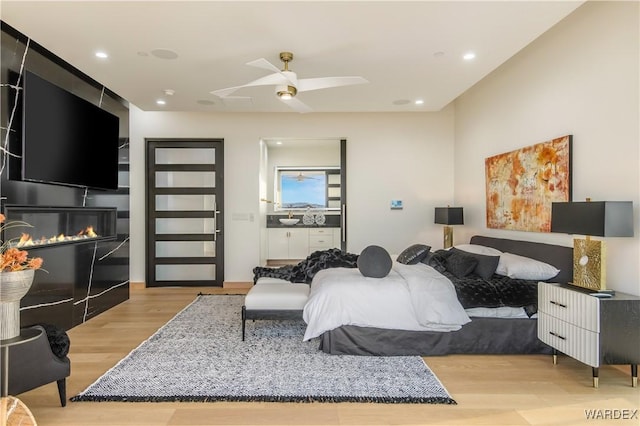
45, 226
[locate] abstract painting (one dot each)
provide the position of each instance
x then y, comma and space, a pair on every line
522, 184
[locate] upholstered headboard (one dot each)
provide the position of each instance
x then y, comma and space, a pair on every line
559, 256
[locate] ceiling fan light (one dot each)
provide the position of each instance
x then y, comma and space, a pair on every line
287, 93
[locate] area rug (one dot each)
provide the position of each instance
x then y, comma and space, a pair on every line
199, 356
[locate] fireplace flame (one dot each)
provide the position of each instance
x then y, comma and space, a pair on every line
27, 241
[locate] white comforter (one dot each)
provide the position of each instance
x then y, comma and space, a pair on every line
411, 297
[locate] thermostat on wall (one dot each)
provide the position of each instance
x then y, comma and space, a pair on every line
396, 204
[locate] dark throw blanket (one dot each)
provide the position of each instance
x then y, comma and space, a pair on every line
497, 291
304, 271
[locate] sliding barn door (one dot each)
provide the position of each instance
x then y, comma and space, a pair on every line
185, 238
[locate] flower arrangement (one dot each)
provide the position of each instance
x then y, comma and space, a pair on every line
13, 259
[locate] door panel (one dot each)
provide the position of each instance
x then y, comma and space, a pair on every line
185, 200
185, 226
185, 248
178, 155
184, 179
187, 272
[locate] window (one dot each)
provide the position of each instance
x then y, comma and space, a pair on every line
302, 188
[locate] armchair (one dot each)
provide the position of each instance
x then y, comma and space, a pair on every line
34, 364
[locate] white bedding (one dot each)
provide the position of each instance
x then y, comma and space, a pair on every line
411, 297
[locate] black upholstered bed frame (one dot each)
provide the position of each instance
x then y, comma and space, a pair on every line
480, 336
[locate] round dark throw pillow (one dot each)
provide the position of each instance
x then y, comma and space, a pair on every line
374, 262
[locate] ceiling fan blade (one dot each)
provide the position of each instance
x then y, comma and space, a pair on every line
307, 84
223, 93
263, 63
297, 105
271, 79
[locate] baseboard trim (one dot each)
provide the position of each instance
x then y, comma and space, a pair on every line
226, 284
237, 284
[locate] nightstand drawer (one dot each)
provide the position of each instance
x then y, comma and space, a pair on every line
569, 339
572, 306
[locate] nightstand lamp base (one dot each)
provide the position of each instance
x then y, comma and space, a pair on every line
448, 236
589, 264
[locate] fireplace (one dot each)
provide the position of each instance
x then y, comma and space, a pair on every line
48, 226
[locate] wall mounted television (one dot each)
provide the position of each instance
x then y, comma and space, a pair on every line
66, 140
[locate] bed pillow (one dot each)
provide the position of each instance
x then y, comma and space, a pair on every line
486, 266
478, 249
374, 262
460, 264
525, 268
413, 254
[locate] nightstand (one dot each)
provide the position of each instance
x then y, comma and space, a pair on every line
592, 330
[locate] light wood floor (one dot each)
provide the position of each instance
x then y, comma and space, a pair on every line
490, 390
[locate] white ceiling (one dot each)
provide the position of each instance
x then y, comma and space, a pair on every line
407, 50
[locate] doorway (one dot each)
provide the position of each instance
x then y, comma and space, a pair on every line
185, 212
298, 175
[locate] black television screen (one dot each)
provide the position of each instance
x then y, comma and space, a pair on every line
66, 140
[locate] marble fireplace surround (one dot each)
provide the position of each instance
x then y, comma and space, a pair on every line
79, 278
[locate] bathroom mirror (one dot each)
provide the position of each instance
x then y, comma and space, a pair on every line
302, 188
301, 174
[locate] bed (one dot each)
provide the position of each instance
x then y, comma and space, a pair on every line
480, 335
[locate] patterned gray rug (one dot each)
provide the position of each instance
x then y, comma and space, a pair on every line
199, 356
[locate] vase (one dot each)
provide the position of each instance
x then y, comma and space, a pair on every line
13, 287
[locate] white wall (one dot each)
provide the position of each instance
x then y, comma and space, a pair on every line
579, 78
406, 156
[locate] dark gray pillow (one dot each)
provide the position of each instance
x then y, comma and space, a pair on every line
58, 339
374, 262
486, 266
460, 263
413, 254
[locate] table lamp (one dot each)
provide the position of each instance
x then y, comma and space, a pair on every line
592, 218
449, 216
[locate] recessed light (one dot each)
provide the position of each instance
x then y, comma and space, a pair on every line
419, 102
401, 102
102, 55
279, 143
469, 56
161, 102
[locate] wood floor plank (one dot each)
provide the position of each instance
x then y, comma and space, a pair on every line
496, 390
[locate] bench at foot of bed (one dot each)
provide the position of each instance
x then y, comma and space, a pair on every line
273, 299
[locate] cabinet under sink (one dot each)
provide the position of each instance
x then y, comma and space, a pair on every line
295, 244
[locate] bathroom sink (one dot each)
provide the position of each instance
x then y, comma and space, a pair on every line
289, 221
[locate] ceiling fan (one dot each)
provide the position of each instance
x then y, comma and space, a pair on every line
287, 82
300, 177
